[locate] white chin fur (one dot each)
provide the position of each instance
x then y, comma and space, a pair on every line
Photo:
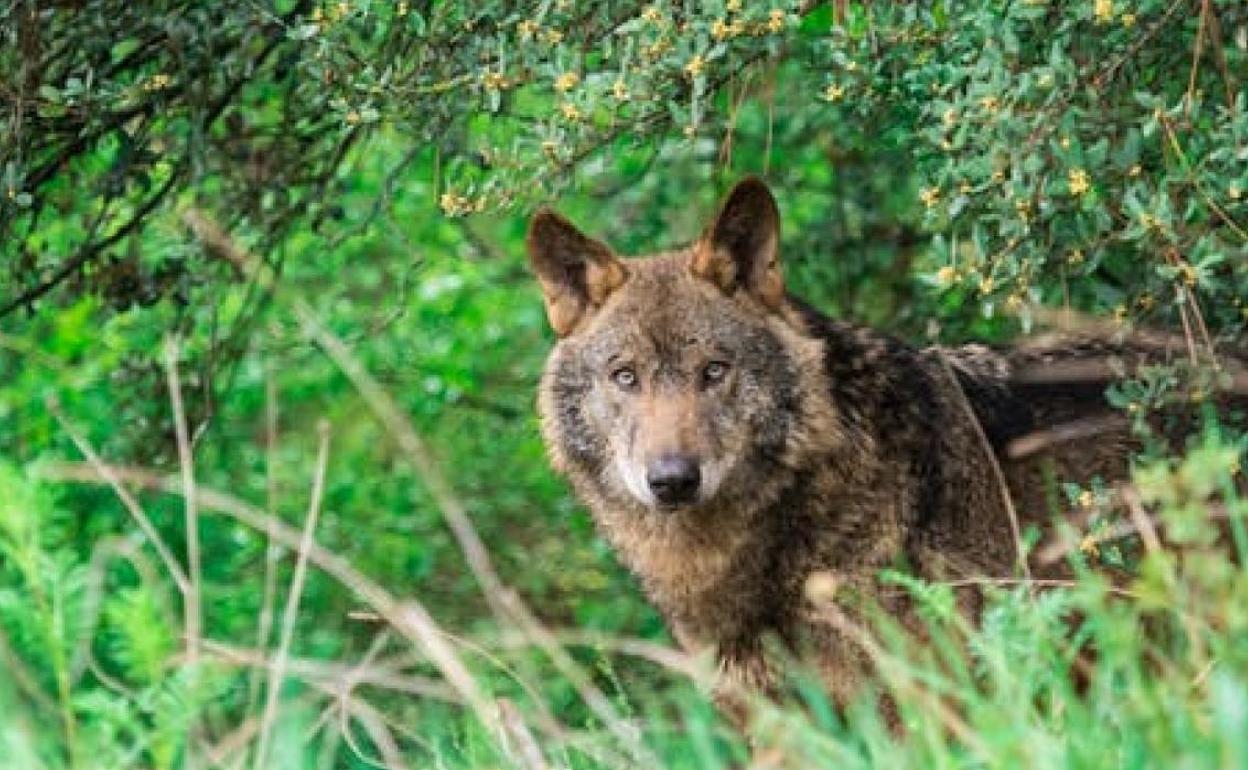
635, 482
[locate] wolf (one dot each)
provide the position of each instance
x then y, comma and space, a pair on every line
731, 441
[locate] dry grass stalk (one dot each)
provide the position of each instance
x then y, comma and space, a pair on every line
1074, 430
328, 672
105, 473
272, 551
277, 671
192, 605
1016, 532
416, 626
524, 746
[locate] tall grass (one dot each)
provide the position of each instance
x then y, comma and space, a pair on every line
109, 660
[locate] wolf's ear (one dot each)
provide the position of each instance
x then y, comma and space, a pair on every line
741, 248
577, 273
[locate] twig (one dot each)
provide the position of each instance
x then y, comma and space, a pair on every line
375, 725
271, 549
1040, 440
526, 748
413, 446
278, 670
107, 474
417, 626
1007, 501
1197, 48
384, 676
192, 608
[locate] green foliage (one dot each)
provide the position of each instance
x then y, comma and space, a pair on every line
945, 170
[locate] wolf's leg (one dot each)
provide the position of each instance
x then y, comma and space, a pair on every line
744, 674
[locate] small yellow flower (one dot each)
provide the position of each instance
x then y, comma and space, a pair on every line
695, 66
1088, 546
656, 49
775, 22
986, 285
158, 82
554, 36
1128, 20
619, 89
965, 188
1146, 302
1064, 142
733, 6
567, 81
1187, 274
946, 275
454, 205
1075, 257
495, 81
527, 29
570, 111
1103, 11
1234, 192
690, 130
930, 196
998, 176
950, 118
352, 117
721, 30
1014, 303
1134, 170
990, 103
652, 14
401, 10
833, 93
1086, 499
1078, 181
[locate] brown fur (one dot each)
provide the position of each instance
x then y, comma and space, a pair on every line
825, 449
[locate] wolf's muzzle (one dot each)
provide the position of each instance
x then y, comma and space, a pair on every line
674, 479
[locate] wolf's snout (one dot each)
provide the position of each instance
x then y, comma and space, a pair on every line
674, 479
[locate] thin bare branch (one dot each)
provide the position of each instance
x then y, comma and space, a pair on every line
272, 551
192, 605
102, 472
277, 671
415, 625
1007, 501
330, 672
524, 746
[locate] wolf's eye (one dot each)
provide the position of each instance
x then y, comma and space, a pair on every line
714, 372
625, 377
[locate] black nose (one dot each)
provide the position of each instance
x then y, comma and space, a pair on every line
674, 479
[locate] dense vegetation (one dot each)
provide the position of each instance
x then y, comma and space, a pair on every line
262, 286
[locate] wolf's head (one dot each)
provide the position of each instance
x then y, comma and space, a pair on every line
679, 379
